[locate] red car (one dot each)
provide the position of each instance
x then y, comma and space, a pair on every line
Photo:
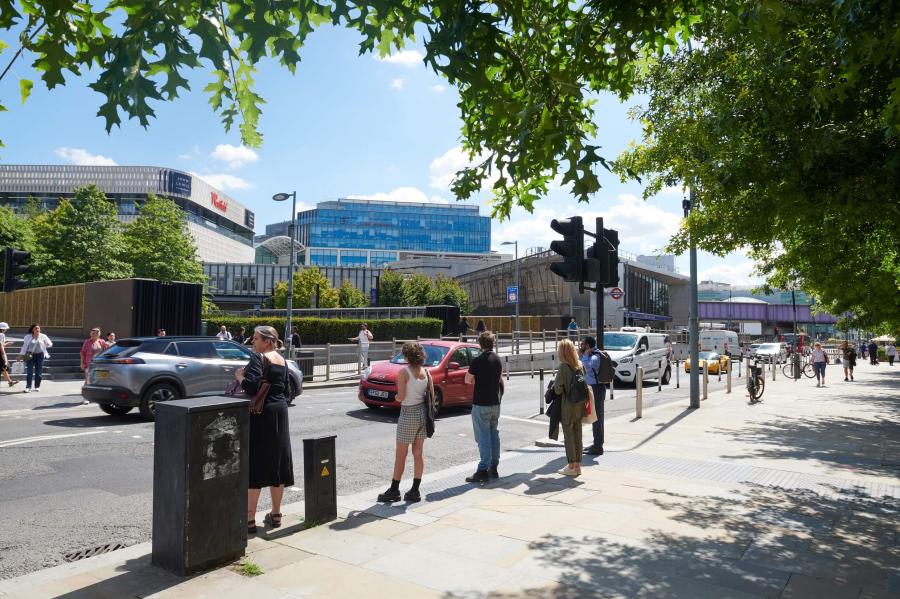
447, 361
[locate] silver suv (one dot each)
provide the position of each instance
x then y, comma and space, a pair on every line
142, 371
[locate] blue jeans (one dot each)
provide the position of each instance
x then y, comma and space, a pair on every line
34, 368
485, 422
819, 369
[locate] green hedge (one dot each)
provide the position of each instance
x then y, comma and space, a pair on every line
316, 331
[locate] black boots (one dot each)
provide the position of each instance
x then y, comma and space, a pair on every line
480, 476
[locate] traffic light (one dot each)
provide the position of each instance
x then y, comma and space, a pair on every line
15, 263
571, 248
610, 258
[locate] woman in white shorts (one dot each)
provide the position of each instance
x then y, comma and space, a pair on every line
412, 383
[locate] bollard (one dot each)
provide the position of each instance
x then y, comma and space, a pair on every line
532, 365
719, 372
506, 359
774, 367
677, 375
200, 466
728, 379
705, 381
639, 393
541, 389
612, 387
358, 359
660, 377
741, 361
319, 480
795, 359
543, 341
327, 361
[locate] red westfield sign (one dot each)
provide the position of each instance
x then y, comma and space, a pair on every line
217, 202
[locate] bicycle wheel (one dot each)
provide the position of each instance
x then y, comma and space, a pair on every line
758, 390
788, 370
809, 371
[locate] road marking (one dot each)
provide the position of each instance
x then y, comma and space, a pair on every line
135, 436
11, 442
523, 420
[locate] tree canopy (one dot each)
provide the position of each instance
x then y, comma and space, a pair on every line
790, 152
156, 244
307, 282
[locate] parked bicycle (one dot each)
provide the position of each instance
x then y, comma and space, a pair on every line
805, 367
756, 382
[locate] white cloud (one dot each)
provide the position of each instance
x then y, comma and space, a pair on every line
235, 156
438, 88
397, 83
224, 181
406, 58
82, 157
737, 274
443, 169
643, 228
403, 194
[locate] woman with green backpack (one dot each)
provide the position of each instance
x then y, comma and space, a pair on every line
574, 393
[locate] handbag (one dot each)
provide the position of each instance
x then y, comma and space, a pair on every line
258, 401
591, 417
17, 368
430, 406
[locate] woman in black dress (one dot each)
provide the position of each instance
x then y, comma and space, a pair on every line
271, 464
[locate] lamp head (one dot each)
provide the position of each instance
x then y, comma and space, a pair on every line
280, 197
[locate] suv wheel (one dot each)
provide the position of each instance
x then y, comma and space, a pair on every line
114, 410
156, 393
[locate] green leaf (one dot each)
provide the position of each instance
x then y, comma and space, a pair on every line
25, 86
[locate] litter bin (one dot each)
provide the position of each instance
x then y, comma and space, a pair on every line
319, 482
306, 363
200, 475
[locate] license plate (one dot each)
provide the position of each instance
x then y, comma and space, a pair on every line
101, 374
379, 394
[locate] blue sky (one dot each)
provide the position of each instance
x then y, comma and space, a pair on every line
344, 125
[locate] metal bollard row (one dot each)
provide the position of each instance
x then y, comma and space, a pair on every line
639, 393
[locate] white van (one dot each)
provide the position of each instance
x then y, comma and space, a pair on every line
631, 347
721, 342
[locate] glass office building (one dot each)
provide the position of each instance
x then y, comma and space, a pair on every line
353, 233
221, 227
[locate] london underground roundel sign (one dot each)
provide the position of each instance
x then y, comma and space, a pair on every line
616, 293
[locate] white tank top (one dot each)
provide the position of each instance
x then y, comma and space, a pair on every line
415, 388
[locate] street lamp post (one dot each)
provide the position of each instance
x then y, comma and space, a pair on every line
281, 197
693, 314
518, 291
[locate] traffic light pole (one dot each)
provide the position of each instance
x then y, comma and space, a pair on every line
600, 298
693, 315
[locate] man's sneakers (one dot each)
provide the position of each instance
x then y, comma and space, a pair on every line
594, 450
390, 496
27, 389
480, 476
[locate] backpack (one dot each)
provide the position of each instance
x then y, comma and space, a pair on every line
605, 375
578, 389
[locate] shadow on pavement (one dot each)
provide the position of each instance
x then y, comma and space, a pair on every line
99, 421
758, 541
137, 579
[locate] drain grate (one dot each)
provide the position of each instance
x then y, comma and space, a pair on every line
92, 551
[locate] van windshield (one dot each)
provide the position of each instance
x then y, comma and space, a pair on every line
618, 341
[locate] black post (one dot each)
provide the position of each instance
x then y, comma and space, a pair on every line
600, 298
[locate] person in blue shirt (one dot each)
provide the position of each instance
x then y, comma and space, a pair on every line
591, 363
573, 330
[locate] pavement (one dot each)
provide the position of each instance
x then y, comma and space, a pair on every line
798, 496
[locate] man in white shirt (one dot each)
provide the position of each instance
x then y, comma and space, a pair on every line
223, 335
364, 337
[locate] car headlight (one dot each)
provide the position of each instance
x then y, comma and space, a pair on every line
366, 373
626, 360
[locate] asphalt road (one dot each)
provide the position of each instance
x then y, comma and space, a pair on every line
72, 477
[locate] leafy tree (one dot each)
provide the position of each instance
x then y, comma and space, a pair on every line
796, 164
158, 245
448, 292
390, 288
351, 297
15, 232
418, 290
80, 241
305, 285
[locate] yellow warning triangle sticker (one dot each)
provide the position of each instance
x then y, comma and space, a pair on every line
325, 471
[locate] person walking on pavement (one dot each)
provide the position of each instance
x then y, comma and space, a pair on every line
819, 358
295, 338
34, 352
480, 327
240, 336
873, 353
413, 382
863, 350
364, 337
891, 352
486, 373
463, 328
849, 359
4, 359
573, 330
110, 339
92, 347
270, 459
572, 405
223, 334
591, 359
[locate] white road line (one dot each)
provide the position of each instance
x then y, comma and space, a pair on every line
11, 442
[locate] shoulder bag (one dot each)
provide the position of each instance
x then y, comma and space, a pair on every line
257, 401
430, 405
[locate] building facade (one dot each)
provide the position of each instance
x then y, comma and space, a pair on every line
357, 233
221, 227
